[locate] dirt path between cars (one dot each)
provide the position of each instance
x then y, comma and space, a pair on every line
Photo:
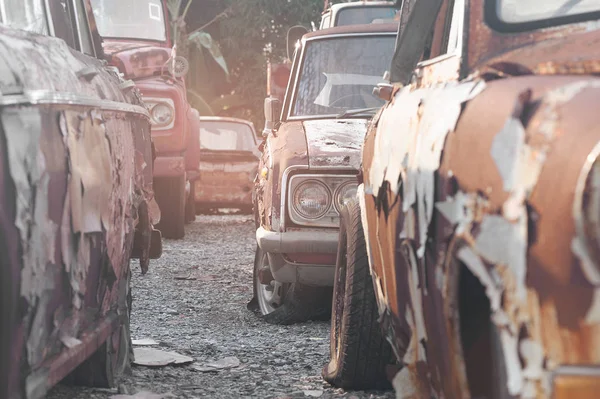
193, 302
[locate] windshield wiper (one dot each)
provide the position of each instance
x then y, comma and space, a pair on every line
350, 112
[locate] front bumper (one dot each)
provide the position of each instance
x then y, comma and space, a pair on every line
277, 244
298, 241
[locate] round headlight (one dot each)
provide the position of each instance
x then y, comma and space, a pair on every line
345, 193
312, 199
162, 114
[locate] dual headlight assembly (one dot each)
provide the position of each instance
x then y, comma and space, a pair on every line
320, 200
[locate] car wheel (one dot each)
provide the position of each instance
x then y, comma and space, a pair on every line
288, 303
113, 358
359, 352
190, 205
171, 199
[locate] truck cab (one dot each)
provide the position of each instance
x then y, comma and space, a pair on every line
358, 12
137, 40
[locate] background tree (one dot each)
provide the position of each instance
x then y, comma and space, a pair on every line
249, 32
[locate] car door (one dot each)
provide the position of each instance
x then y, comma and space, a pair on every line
400, 161
76, 155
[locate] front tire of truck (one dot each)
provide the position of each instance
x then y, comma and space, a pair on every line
359, 353
288, 303
190, 205
171, 198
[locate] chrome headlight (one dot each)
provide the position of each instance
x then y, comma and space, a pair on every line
311, 199
344, 194
162, 112
316, 200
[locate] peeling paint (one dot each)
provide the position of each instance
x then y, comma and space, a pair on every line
335, 142
67, 144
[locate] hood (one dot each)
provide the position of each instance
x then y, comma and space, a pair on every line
335, 143
575, 53
137, 60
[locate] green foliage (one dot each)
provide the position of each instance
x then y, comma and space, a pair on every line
249, 33
255, 31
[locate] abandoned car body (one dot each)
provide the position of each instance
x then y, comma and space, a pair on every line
479, 205
229, 161
309, 162
137, 41
75, 185
357, 12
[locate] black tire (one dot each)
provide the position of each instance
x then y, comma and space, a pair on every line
113, 358
171, 199
190, 205
359, 352
299, 302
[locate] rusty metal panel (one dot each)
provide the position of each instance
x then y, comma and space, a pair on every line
76, 168
504, 183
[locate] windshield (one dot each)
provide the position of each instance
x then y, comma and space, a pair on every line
523, 11
131, 19
226, 136
28, 15
364, 15
339, 74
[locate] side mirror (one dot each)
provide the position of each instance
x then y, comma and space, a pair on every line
272, 114
385, 89
294, 34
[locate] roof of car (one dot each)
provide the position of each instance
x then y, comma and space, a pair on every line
354, 29
224, 119
362, 4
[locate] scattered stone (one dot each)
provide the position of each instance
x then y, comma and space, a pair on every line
313, 393
143, 395
144, 342
223, 364
151, 357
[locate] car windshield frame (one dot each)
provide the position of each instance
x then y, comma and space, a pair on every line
495, 21
290, 104
163, 22
361, 8
213, 125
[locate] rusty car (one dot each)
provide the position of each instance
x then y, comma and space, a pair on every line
308, 166
474, 236
137, 40
228, 164
357, 12
76, 200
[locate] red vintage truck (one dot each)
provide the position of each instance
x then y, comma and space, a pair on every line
138, 42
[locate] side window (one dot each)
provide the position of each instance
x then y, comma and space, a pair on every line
29, 15
83, 29
437, 43
62, 21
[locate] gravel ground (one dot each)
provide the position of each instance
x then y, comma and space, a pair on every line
205, 317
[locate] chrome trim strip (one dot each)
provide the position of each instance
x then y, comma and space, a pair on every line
328, 116
301, 59
49, 20
45, 97
284, 188
578, 370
